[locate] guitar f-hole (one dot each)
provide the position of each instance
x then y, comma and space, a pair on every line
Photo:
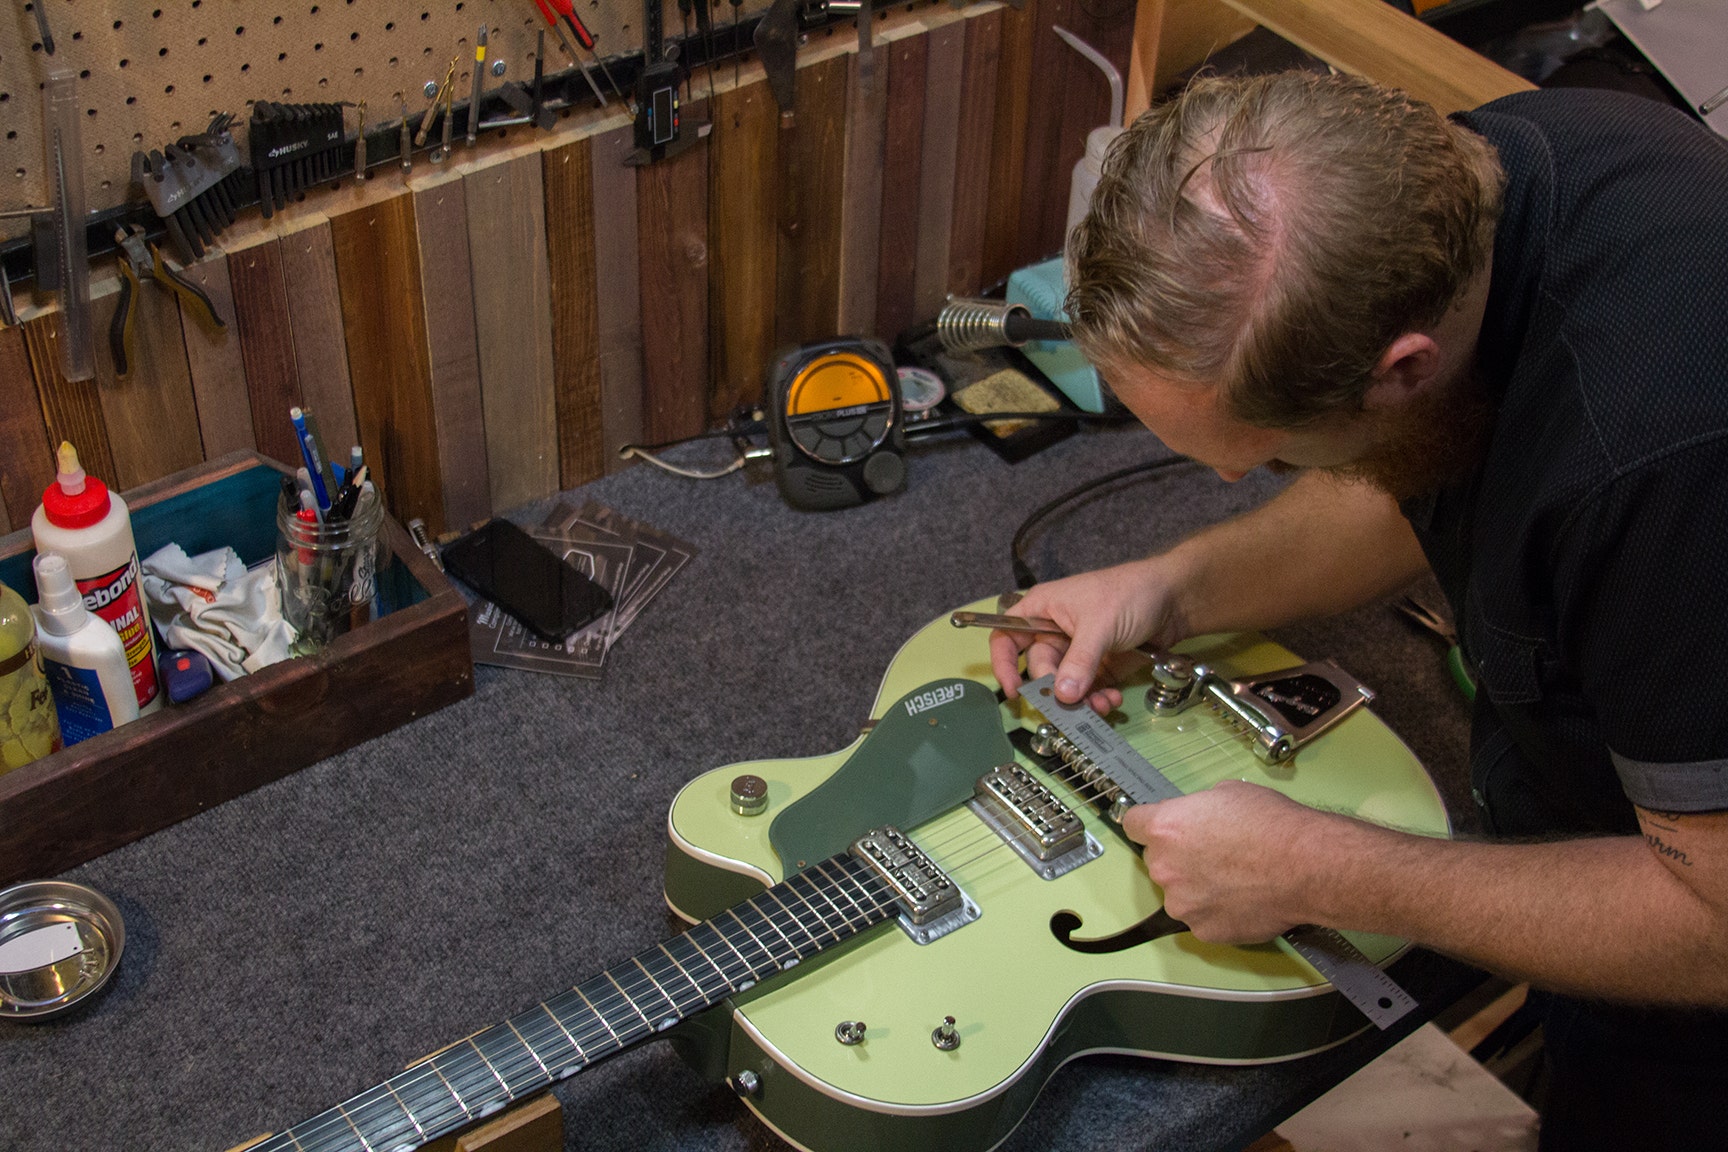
1063, 925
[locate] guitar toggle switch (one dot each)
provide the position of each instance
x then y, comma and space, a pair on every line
946, 1037
849, 1032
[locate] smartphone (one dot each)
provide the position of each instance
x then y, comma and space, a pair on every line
550, 596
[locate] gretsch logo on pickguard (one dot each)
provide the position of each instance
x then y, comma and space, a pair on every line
934, 698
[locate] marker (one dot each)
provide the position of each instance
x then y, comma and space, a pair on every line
325, 464
309, 453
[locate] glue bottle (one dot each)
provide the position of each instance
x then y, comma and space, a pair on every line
84, 657
28, 730
88, 525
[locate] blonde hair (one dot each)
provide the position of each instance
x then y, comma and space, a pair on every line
1272, 235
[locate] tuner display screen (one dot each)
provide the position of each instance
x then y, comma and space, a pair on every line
838, 408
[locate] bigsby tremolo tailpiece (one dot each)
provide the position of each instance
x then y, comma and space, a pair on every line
1279, 711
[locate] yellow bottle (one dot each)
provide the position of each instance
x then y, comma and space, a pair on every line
28, 728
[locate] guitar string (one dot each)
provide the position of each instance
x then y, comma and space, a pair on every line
994, 842
1202, 744
336, 1122
548, 1026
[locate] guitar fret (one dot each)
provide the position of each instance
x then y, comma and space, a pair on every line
607, 1024
677, 1008
635, 1007
440, 1102
503, 1049
574, 1043
407, 1111
437, 1106
356, 1128
769, 919
467, 1079
864, 913
707, 994
547, 1045
693, 1006
749, 972
810, 882
690, 938
754, 939
821, 918
374, 1111
809, 937
866, 882
524, 1042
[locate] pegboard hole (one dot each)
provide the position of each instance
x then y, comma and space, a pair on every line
168, 91
124, 62
203, 40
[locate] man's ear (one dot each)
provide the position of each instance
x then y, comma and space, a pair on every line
1409, 364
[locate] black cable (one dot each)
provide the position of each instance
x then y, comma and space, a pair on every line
944, 423
1023, 577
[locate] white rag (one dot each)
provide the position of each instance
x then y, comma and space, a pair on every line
211, 603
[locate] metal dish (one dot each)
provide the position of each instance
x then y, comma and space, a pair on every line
59, 944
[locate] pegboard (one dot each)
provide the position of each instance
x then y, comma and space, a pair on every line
154, 70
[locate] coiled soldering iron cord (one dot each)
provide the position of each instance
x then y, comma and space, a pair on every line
1023, 576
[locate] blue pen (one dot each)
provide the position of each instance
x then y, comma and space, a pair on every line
309, 453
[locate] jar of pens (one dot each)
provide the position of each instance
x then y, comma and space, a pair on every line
327, 555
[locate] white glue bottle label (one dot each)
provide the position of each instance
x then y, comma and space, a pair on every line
82, 655
80, 519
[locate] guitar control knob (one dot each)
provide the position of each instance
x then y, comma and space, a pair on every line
946, 1037
746, 1083
749, 795
849, 1032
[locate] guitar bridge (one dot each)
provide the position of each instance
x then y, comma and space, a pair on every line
931, 905
1033, 821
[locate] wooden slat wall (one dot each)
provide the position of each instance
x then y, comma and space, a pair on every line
151, 418
218, 369
672, 235
569, 180
26, 453
267, 346
453, 353
384, 321
495, 330
513, 325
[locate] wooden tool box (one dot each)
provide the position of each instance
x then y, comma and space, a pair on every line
114, 788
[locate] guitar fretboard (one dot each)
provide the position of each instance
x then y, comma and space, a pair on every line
624, 1005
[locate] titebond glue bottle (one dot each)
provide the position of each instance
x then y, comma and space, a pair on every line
84, 522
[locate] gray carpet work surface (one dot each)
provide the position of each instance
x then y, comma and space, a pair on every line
305, 941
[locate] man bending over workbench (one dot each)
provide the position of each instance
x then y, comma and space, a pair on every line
1495, 345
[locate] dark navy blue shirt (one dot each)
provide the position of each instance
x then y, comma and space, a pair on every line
1587, 559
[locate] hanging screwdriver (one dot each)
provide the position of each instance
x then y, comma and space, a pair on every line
571, 50
584, 38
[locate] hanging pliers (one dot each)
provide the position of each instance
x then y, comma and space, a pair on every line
140, 260
1437, 624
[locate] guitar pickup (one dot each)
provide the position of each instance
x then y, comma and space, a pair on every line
931, 905
1033, 821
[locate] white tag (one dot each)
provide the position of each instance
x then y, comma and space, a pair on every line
40, 948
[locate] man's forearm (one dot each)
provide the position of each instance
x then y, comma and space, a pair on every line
1320, 547
1599, 917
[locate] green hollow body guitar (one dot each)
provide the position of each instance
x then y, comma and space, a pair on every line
1023, 1001
896, 945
